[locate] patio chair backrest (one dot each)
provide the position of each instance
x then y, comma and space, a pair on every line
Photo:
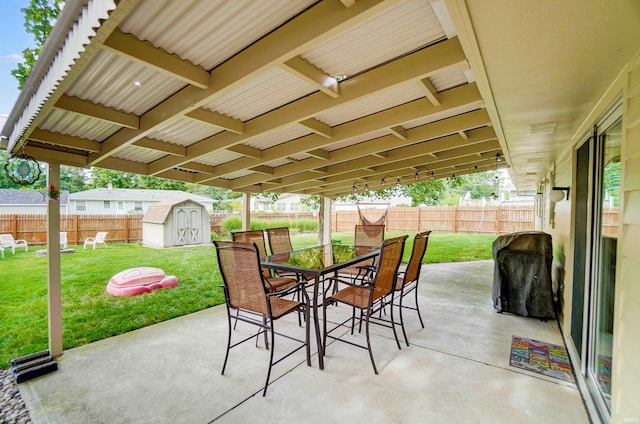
240, 268
387, 266
7, 240
279, 240
369, 235
101, 236
253, 236
415, 262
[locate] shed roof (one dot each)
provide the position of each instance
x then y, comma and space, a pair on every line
158, 212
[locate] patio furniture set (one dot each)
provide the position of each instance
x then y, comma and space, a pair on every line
261, 287
7, 241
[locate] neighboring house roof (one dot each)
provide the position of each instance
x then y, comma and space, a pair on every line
134, 194
158, 212
10, 196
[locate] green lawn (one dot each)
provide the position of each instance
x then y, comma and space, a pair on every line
90, 314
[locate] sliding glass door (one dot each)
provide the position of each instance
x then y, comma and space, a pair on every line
606, 203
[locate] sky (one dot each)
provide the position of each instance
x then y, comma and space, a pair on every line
13, 40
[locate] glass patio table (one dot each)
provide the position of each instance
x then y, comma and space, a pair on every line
315, 263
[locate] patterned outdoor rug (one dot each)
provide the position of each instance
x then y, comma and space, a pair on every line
543, 358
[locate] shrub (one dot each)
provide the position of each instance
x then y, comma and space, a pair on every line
299, 225
232, 223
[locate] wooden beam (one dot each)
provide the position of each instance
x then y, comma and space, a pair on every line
267, 170
399, 132
161, 146
217, 120
377, 147
339, 184
96, 111
311, 28
142, 52
54, 156
317, 127
319, 154
198, 167
452, 99
453, 145
246, 151
430, 91
427, 61
306, 71
64, 140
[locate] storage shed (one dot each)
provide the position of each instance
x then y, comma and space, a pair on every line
172, 223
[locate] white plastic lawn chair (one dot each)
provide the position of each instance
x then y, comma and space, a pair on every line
98, 239
7, 241
63, 240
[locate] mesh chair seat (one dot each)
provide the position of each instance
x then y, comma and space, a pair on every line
364, 236
257, 237
369, 298
407, 281
280, 242
358, 296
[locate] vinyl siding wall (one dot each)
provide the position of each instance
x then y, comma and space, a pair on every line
626, 349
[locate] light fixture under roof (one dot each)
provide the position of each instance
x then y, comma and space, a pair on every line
340, 77
543, 128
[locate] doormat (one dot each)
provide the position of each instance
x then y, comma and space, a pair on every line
540, 357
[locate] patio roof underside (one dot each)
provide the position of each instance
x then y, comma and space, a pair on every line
247, 96
315, 97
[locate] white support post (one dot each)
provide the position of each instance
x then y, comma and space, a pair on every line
246, 211
326, 218
53, 260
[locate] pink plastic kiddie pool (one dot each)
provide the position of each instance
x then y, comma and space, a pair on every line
139, 280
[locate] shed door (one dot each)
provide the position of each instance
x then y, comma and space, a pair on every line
188, 223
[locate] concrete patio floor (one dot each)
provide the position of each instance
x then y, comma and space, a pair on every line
456, 370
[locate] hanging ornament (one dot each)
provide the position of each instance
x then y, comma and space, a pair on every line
22, 169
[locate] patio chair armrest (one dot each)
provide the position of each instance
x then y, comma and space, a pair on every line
289, 290
340, 280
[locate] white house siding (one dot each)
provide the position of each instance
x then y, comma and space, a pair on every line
560, 214
557, 222
626, 336
28, 209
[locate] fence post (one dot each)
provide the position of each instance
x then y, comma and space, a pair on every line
75, 230
126, 227
454, 219
14, 226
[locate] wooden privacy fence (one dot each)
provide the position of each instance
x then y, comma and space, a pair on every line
121, 228
33, 228
447, 219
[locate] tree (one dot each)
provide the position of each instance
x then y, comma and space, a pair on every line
101, 178
39, 17
73, 179
425, 192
